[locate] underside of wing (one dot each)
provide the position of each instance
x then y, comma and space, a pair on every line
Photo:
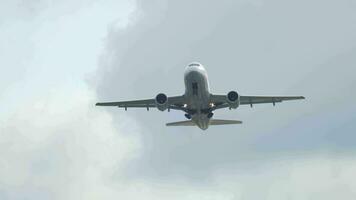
175, 102
267, 99
135, 103
222, 101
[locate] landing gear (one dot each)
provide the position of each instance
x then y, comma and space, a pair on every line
210, 115
188, 116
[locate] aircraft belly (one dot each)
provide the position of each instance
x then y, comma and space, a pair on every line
197, 90
197, 95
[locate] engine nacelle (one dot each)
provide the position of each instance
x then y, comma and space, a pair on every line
233, 98
161, 101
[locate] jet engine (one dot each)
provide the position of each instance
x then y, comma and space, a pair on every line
233, 99
161, 101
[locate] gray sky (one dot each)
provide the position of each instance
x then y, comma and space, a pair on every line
59, 58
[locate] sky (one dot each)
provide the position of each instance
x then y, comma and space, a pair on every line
59, 58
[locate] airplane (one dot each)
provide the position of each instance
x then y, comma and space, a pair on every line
197, 102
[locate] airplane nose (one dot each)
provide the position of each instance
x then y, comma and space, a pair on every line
195, 72
195, 67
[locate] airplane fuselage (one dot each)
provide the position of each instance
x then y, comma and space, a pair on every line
197, 94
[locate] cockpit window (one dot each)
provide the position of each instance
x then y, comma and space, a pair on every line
194, 64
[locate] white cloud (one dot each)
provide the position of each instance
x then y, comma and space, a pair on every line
246, 47
69, 149
316, 177
58, 45
63, 144
54, 144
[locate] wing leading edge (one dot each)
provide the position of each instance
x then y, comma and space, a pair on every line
175, 102
221, 100
267, 99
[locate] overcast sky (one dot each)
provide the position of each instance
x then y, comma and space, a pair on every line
59, 58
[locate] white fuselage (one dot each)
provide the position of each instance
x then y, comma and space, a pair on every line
197, 94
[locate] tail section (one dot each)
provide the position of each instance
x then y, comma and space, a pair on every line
181, 123
224, 122
213, 122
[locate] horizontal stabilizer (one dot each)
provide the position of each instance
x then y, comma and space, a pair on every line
181, 123
212, 122
223, 122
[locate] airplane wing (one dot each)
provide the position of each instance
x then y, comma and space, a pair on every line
175, 102
220, 101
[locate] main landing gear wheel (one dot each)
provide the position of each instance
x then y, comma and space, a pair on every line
210, 115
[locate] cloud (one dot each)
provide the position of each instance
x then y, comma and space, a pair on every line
61, 145
55, 144
49, 154
254, 47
